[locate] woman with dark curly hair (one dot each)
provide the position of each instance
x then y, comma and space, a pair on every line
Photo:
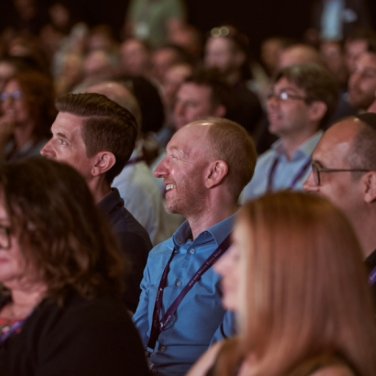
28, 110
61, 311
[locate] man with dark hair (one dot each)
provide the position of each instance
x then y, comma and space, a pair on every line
362, 82
202, 94
302, 99
97, 136
344, 170
208, 162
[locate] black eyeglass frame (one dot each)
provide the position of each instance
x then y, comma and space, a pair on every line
317, 170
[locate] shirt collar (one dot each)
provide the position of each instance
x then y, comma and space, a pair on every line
218, 232
305, 150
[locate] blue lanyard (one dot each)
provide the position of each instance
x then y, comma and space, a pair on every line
294, 181
160, 324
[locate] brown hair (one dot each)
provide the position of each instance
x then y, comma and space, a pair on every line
316, 81
233, 144
304, 287
38, 92
108, 126
61, 232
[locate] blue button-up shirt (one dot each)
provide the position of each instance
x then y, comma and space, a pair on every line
286, 170
200, 318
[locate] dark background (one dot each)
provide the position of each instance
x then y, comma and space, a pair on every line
258, 19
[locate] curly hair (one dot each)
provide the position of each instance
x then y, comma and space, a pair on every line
60, 230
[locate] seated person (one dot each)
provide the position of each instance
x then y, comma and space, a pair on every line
61, 311
295, 277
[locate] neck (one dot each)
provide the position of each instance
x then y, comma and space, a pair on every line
209, 217
292, 143
24, 300
99, 188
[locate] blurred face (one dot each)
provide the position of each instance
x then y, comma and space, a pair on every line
362, 83
219, 53
174, 78
162, 60
184, 169
229, 267
12, 263
135, 58
287, 117
353, 50
67, 145
193, 102
344, 188
13, 104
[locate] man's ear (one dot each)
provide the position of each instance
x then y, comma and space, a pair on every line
369, 184
216, 172
102, 162
317, 110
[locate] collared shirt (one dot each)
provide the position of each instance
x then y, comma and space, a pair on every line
286, 170
200, 318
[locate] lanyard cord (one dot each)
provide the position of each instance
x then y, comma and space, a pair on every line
296, 179
160, 324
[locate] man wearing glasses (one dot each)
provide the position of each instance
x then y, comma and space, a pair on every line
344, 170
302, 99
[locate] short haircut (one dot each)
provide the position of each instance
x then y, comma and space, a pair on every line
363, 153
62, 234
108, 126
317, 82
231, 143
303, 285
212, 79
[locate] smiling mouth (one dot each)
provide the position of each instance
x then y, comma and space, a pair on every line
170, 187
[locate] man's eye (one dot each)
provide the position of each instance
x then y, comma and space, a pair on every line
63, 142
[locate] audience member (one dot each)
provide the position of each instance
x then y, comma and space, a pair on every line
97, 136
61, 273
302, 98
333, 56
227, 50
357, 43
135, 57
362, 82
163, 58
295, 278
344, 170
154, 20
135, 183
207, 164
27, 106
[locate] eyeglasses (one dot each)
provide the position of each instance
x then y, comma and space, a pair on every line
286, 96
317, 170
5, 240
221, 31
14, 96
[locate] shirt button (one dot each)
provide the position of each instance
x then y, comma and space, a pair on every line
162, 348
178, 283
192, 251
